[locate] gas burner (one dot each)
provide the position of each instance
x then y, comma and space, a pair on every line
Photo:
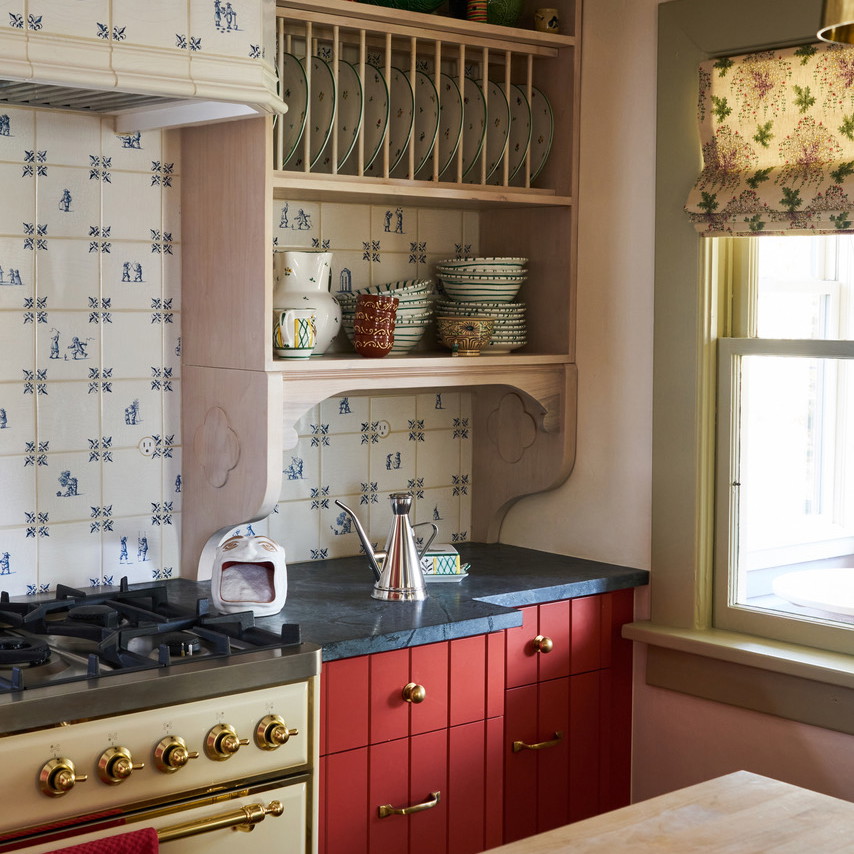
181, 644
98, 615
16, 651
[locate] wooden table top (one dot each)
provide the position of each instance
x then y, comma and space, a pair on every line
741, 813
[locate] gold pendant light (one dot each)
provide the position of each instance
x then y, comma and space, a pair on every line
837, 22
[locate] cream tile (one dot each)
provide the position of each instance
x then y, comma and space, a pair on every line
18, 362
67, 203
392, 463
134, 151
171, 273
152, 24
132, 410
17, 474
69, 485
18, 135
350, 271
78, 19
131, 206
300, 471
296, 527
19, 199
441, 230
394, 227
69, 418
68, 138
18, 561
303, 425
439, 409
344, 464
438, 458
68, 345
75, 538
131, 549
132, 275
17, 273
296, 225
170, 551
345, 414
226, 29
133, 344
171, 410
396, 410
393, 267
133, 485
345, 226
441, 507
171, 201
471, 234
17, 419
69, 275
173, 484
172, 345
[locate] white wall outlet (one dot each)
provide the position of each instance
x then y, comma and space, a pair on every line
146, 446
383, 429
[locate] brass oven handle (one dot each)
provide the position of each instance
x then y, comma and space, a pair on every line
243, 819
387, 809
540, 745
414, 693
543, 644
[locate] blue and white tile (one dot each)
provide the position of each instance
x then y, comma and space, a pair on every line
345, 414
133, 344
471, 233
171, 410
346, 227
226, 29
18, 340
441, 507
131, 549
171, 272
392, 267
131, 151
170, 551
18, 560
296, 224
69, 418
69, 276
171, 184
19, 134
19, 198
441, 229
78, 19
296, 527
304, 422
69, 486
17, 418
133, 483
338, 537
17, 273
438, 410
68, 345
172, 346
71, 555
65, 202
392, 463
344, 465
300, 470
132, 410
173, 481
395, 410
17, 474
131, 206
395, 226
350, 271
68, 138
438, 457
132, 276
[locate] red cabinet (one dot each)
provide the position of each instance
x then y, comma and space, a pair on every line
411, 747
567, 714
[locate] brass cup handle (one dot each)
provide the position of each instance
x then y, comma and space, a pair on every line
543, 644
540, 745
387, 809
244, 818
414, 693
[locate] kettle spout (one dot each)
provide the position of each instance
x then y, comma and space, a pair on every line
369, 551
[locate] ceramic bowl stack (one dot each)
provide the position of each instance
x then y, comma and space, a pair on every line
486, 287
413, 315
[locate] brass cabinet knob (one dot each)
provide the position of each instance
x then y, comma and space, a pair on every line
58, 777
543, 644
171, 754
414, 693
271, 732
116, 764
222, 743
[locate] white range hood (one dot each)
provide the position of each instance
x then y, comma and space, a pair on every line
161, 63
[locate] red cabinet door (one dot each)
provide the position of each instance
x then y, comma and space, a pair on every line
389, 673
585, 755
428, 667
346, 703
586, 640
554, 625
428, 775
468, 680
521, 656
553, 759
388, 786
520, 781
344, 803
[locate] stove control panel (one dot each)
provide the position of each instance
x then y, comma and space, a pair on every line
222, 742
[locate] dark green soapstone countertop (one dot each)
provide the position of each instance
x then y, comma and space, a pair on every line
331, 599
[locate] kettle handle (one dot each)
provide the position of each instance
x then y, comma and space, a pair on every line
432, 537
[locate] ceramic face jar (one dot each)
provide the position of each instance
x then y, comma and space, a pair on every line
249, 574
301, 279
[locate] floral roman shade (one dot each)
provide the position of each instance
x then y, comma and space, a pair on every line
777, 129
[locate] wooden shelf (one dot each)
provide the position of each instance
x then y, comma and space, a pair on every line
344, 188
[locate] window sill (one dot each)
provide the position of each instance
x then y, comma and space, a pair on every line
795, 682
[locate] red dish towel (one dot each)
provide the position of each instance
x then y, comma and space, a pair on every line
137, 842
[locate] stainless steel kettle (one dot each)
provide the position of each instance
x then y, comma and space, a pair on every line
397, 568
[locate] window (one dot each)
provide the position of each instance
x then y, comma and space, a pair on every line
785, 480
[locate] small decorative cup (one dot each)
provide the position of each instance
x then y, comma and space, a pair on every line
294, 332
547, 20
476, 10
373, 325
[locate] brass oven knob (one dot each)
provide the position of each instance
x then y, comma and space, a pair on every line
116, 765
271, 732
543, 644
58, 777
171, 754
222, 742
414, 693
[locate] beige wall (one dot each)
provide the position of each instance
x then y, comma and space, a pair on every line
604, 510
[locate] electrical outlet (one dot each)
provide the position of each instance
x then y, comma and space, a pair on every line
146, 446
383, 429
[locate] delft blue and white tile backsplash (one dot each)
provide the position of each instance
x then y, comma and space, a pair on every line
90, 330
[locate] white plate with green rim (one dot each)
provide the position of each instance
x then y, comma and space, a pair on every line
295, 95
374, 121
401, 117
497, 129
450, 128
322, 103
349, 117
474, 126
542, 132
520, 135
425, 124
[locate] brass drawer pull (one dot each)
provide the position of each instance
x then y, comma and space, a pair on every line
244, 818
540, 745
387, 809
414, 693
543, 644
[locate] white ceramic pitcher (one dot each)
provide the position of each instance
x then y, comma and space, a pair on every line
303, 276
